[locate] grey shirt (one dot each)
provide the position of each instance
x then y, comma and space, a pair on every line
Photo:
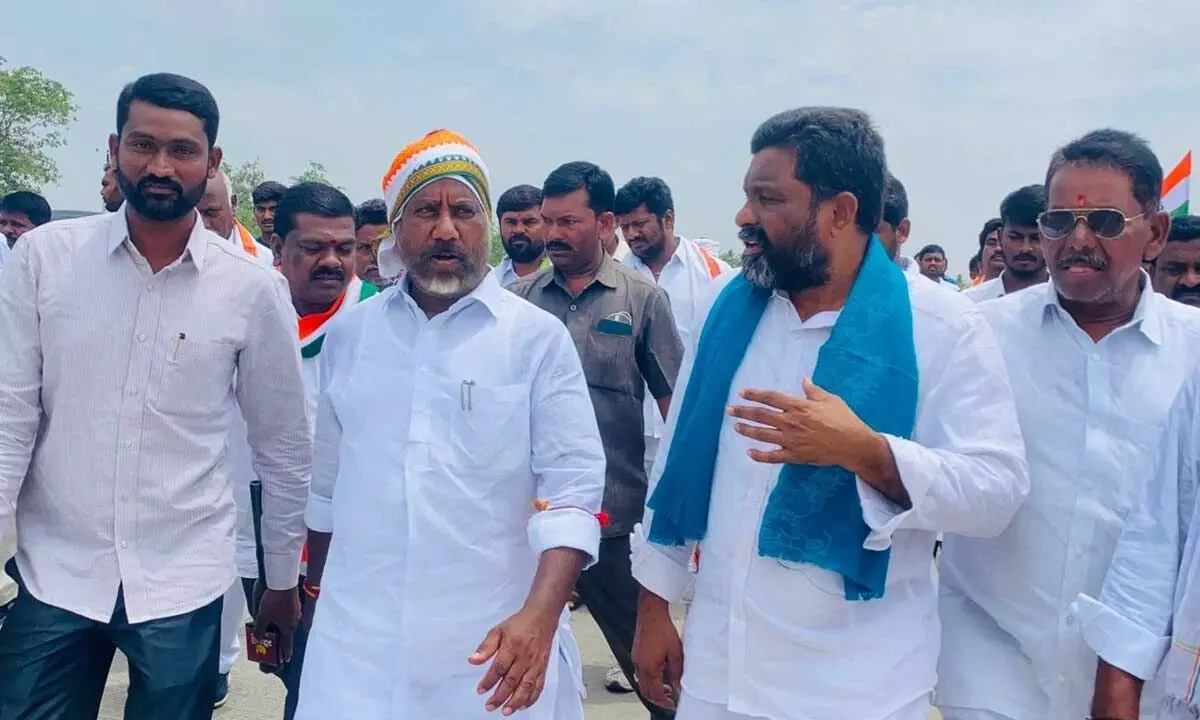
626, 337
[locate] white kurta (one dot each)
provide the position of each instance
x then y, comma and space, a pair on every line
771, 639
1092, 415
454, 426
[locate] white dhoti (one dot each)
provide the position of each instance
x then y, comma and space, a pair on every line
692, 709
233, 610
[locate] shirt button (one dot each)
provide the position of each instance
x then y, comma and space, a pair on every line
574, 308
149, 288
128, 444
124, 544
133, 391
1095, 356
141, 337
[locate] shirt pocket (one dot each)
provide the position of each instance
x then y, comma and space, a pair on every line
609, 361
489, 428
197, 380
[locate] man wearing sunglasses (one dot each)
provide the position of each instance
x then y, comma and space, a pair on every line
1018, 246
1096, 358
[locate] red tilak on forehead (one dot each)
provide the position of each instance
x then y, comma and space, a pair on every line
1080, 201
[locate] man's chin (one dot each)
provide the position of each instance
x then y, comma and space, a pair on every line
1192, 299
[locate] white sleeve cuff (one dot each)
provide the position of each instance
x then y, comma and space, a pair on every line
565, 528
282, 570
661, 570
318, 515
883, 516
1119, 641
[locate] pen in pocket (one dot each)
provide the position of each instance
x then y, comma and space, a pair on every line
178, 341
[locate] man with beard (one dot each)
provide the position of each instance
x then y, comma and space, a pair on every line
266, 197
875, 387
1019, 246
218, 210
522, 233
991, 260
931, 263
110, 192
1177, 268
127, 338
1096, 358
625, 333
20, 212
458, 474
370, 227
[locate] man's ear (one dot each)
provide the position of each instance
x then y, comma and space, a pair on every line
902, 231
214, 161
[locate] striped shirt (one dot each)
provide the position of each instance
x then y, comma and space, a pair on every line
117, 391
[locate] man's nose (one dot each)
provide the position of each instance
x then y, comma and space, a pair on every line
1191, 278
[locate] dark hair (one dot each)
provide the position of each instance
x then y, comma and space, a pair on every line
269, 191
517, 199
975, 262
1184, 228
989, 227
895, 201
173, 92
580, 175
310, 197
1023, 205
1121, 151
929, 250
649, 191
30, 204
837, 150
370, 212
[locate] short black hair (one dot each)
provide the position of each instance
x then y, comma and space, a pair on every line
1023, 206
895, 201
1184, 228
580, 175
929, 250
649, 191
837, 150
370, 212
518, 199
989, 227
269, 191
173, 92
975, 262
310, 197
30, 204
1121, 151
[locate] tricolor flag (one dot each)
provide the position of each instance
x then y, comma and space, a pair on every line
1177, 187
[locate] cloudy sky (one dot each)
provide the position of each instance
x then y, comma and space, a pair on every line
971, 96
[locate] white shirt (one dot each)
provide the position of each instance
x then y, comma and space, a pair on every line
506, 273
4, 251
1092, 415
117, 389
986, 290
454, 426
908, 265
262, 255
688, 281
778, 640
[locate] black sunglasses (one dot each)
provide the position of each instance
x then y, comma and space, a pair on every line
1104, 223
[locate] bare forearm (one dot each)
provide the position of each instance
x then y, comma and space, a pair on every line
557, 571
870, 458
318, 552
1118, 694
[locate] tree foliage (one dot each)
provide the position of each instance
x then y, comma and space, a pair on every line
34, 113
495, 247
315, 172
733, 258
244, 177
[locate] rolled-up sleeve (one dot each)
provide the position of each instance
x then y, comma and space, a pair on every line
661, 569
20, 374
1130, 624
566, 454
270, 392
964, 469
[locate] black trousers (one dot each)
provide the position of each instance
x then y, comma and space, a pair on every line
54, 663
611, 596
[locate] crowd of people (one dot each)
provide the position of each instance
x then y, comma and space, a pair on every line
408, 465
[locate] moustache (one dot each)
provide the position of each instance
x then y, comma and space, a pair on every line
1087, 259
558, 245
327, 274
519, 238
1025, 257
1182, 291
444, 249
153, 181
753, 234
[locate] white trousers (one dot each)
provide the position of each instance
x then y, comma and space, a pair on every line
692, 709
233, 610
952, 713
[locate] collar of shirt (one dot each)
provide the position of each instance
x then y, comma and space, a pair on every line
1147, 316
118, 233
679, 257
606, 275
488, 293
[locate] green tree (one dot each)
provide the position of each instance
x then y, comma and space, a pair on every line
34, 112
244, 177
315, 172
733, 258
495, 247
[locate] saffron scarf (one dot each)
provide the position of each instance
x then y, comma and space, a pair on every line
814, 514
312, 327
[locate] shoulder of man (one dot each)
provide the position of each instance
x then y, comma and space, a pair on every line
523, 287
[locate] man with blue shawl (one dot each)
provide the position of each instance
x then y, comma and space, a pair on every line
836, 415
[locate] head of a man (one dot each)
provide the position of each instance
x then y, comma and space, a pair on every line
645, 212
1102, 218
522, 231
974, 266
894, 227
217, 206
1177, 267
814, 195
20, 212
266, 197
1020, 238
370, 226
314, 240
110, 191
932, 262
577, 208
991, 260
164, 149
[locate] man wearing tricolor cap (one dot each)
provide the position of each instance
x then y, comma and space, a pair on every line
467, 491
315, 243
